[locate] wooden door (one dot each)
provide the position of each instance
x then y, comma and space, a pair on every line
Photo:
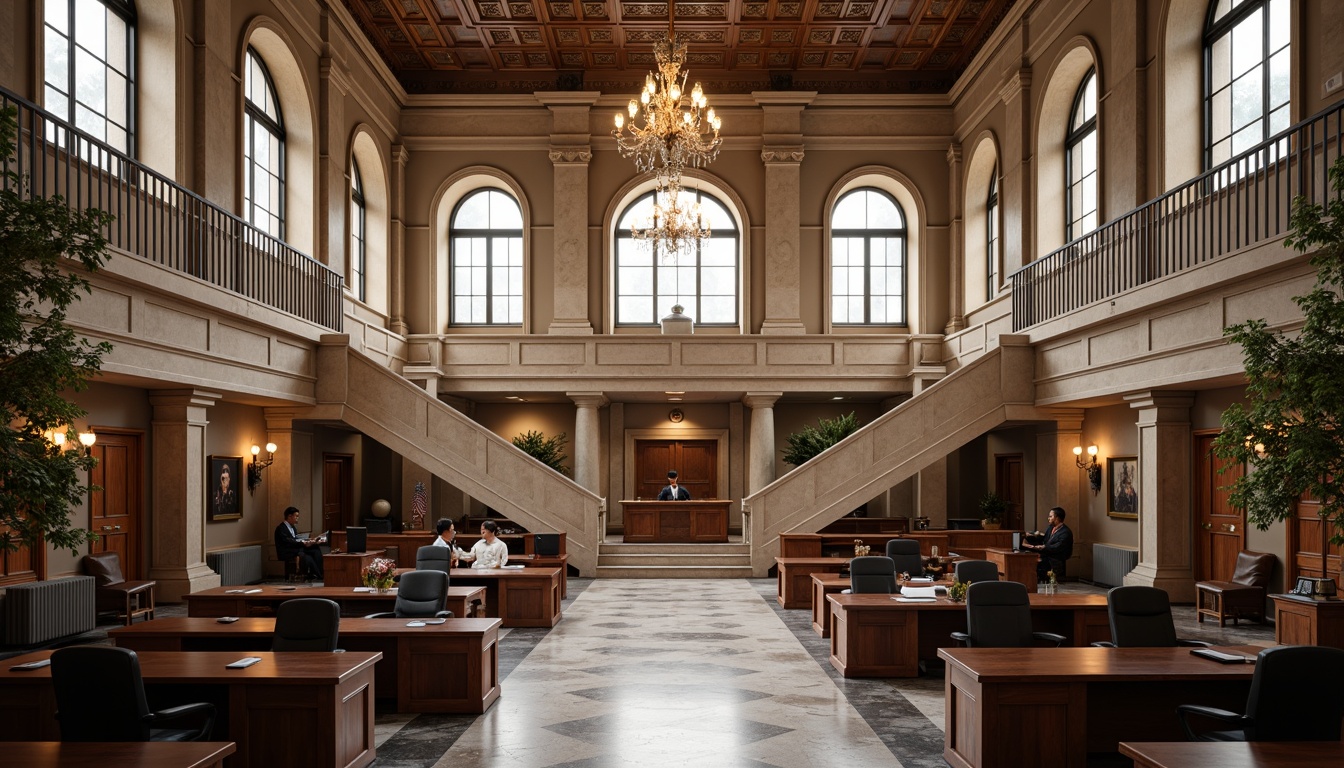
1009, 486
696, 462
338, 473
116, 513
1220, 528
23, 564
1310, 551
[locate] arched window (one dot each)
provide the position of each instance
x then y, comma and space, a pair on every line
868, 259
1080, 163
487, 256
992, 238
359, 217
263, 151
1247, 80
89, 67
650, 280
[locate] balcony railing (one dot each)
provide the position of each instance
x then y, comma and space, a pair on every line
163, 222
1242, 202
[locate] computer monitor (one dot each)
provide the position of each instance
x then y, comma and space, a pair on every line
356, 538
1017, 541
546, 543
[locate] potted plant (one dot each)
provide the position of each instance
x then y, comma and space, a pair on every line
548, 450
809, 441
992, 509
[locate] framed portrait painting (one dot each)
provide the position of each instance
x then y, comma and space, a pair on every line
1123, 495
224, 478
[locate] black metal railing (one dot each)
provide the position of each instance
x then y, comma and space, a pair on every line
165, 223
1244, 201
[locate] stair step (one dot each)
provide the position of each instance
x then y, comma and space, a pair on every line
621, 548
674, 560
672, 572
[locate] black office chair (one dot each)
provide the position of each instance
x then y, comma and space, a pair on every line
432, 558
998, 615
971, 571
1141, 618
100, 696
904, 554
422, 595
872, 575
307, 624
1294, 697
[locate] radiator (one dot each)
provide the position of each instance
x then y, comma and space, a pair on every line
241, 565
1110, 563
45, 610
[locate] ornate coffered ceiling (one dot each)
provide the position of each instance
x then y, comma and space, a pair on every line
736, 46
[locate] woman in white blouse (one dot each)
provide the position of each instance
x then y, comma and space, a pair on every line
489, 552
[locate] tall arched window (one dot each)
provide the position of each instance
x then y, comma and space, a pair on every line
992, 238
868, 259
89, 67
263, 151
487, 256
1080, 161
1246, 75
650, 281
359, 217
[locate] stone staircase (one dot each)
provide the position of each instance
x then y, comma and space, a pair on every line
617, 560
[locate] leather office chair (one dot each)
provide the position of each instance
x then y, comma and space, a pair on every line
1244, 595
998, 615
100, 696
422, 595
1294, 697
971, 571
872, 575
1141, 618
113, 593
432, 558
307, 624
904, 554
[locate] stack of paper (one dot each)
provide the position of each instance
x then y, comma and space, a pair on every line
912, 591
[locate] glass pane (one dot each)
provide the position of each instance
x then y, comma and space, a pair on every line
718, 281
879, 281
838, 310
515, 252
57, 62
634, 309
634, 252
1221, 116
116, 99
90, 122
883, 213
499, 309
116, 137
1246, 138
1248, 43
1220, 65
1089, 153
716, 215
638, 214
849, 212
1279, 19
515, 282
91, 26
1279, 79
515, 310
56, 13
504, 212
840, 251
635, 281
462, 309
477, 281
478, 309
894, 278
856, 309
896, 251
1278, 120
719, 252
855, 281
1247, 99
877, 309
461, 280
838, 280
90, 81
116, 43
473, 213
717, 309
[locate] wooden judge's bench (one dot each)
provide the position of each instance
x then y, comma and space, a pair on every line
685, 522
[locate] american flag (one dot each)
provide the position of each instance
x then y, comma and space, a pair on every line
419, 507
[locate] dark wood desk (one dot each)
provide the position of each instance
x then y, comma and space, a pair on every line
688, 522
322, 703
1014, 566
1058, 704
125, 754
794, 579
969, 544
875, 636
408, 542
1233, 754
346, 569
824, 584
1308, 622
261, 600
522, 597
449, 667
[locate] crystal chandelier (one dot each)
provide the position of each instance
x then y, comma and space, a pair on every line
674, 229
670, 138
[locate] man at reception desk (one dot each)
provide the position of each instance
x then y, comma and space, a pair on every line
672, 491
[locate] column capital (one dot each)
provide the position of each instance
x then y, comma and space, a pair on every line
1016, 85
183, 397
754, 400
553, 99
1166, 405
588, 399
1066, 420
567, 155
782, 155
953, 153
400, 155
335, 74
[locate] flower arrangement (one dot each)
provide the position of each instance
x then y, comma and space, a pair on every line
956, 592
1051, 584
860, 549
378, 574
1051, 576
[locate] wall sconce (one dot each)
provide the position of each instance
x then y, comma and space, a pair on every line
258, 464
87, 439
58, 439
1091, 465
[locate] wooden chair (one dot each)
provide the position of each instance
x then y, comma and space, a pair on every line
1244, 595
113, 593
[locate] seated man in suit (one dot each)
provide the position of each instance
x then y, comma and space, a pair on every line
288, 544
672, 491
447, 538
1055, 545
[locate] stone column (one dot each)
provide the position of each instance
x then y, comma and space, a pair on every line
956, 256
1058, 478
761, 463
570, 153
1015, 203
1166, 538
333, 175
177, 495
396, 253
782, 153
588, 439
217, 95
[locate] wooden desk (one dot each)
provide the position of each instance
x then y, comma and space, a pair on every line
1308, 622
560, 561
1015, 566
449, 667
1056, 705
824, 584
875, 636
1233, 754
261, 600
346, 569
408, 542
968, 544
124, 754
322, 703
690, 522
795, 577
522, 597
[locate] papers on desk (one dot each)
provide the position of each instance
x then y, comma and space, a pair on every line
921, 580
370, 589
919, 592
242, 591
513, 566
904, 599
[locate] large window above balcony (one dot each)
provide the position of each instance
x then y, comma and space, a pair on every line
1247, 75
88, 71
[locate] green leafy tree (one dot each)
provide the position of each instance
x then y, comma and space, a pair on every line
548, 450
1289, 429
810, 441
43, 246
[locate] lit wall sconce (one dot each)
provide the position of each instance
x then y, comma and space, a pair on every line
1090, 464
87, 439
58, 439
258, 464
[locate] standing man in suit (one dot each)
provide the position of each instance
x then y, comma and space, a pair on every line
1056, 545
672, 491
288, 544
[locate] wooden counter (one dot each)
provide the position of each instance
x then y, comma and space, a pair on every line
408, 542
794, 578
1298, 621
1015, 566
687, 522
522, 597
346, 569
261, 600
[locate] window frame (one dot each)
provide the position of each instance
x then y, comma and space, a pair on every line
490, 236
869, 234
125, 9
359, 221
276, 127
1072, 138
992, 236
1215, 30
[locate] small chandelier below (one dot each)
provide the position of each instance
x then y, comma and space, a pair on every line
674, 229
